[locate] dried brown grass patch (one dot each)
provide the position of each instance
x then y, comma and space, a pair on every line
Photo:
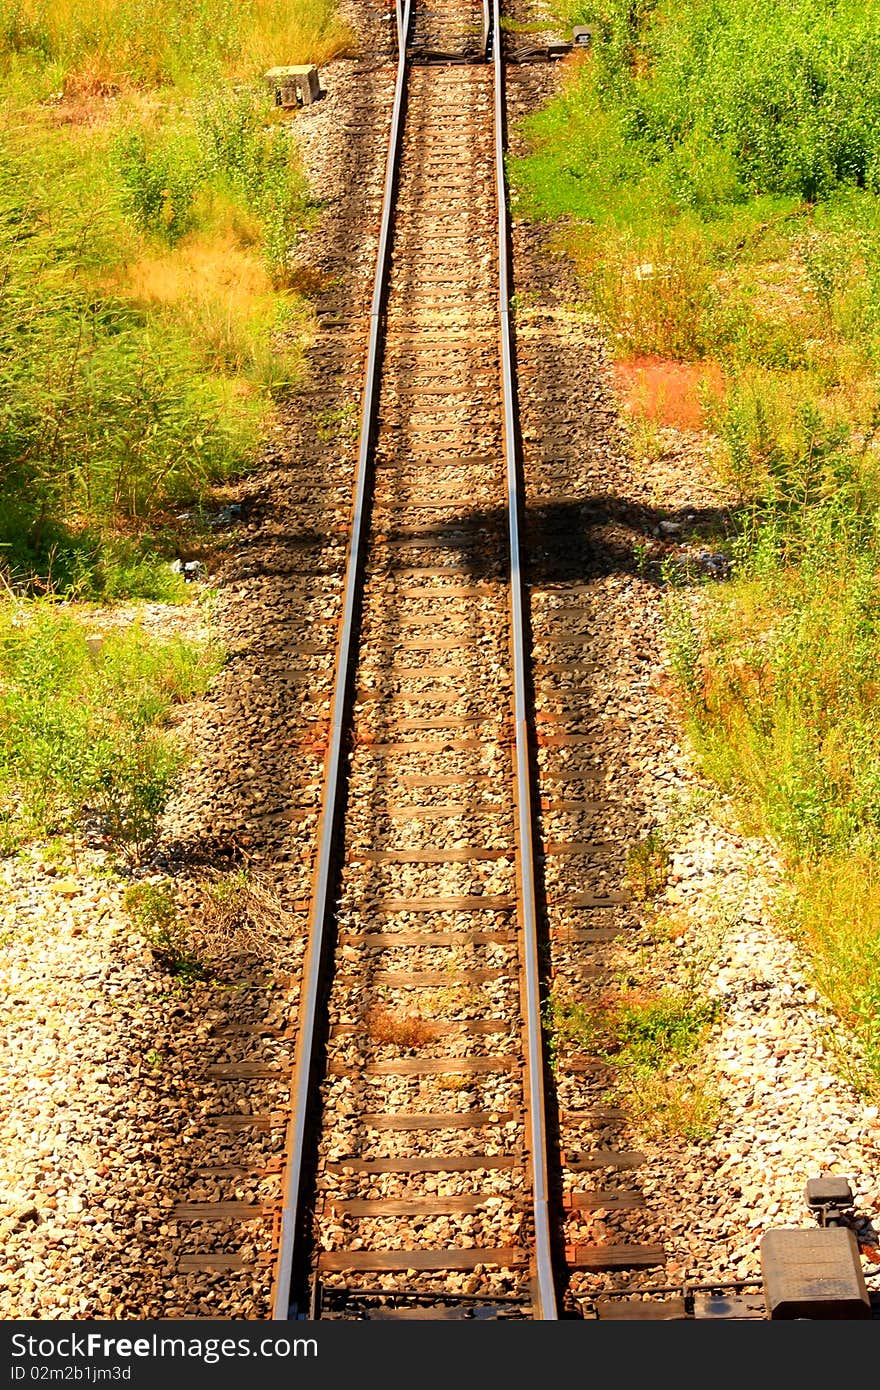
241, 917
673, 1106
220, 290
455, 1082
95, 79
400, 1030
203, 268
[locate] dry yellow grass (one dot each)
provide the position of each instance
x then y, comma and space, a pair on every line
113, 43
201, 268
220, 289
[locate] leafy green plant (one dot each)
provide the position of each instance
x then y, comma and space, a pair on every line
104, 419
651, 1039
82, 726
153, 910
684, 645
650, 1034
159, 182
570, 1024
132, 788
657, 1040
339, 423
647, 866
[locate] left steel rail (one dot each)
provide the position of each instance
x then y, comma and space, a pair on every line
292, 1233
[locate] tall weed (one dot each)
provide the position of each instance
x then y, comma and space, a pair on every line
159, 183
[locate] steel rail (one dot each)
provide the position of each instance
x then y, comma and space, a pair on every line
537, 1124
291, 1213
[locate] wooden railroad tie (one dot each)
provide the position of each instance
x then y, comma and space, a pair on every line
406, 1206
440, 1028
611, 1199
434, 745
608, 1257
483, 902
220, 1262
447, 811
460, 854
572, 936
615, 899
419, 1261
220, 1211
247, 1071
450, 1163
383, 940
454, 1119
641, 1310
603, 1158
276, 1120
429, 1066
426, 979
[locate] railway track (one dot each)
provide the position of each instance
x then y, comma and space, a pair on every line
470, 818
429, 1182
417, 1165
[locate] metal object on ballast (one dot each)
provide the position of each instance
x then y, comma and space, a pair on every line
813, 1274
582, 36
831, 1199
294, 86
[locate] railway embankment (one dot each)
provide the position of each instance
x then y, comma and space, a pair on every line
152, 1033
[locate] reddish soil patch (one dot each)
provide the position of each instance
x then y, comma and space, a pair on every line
667, 392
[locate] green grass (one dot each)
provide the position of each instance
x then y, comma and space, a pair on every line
702, 104
151, 201
650, 1034
781, 703
836, 911
655, 1046
85, 726
119, 397
715, 166
653, 1042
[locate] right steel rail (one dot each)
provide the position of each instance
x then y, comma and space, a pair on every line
545, 1294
